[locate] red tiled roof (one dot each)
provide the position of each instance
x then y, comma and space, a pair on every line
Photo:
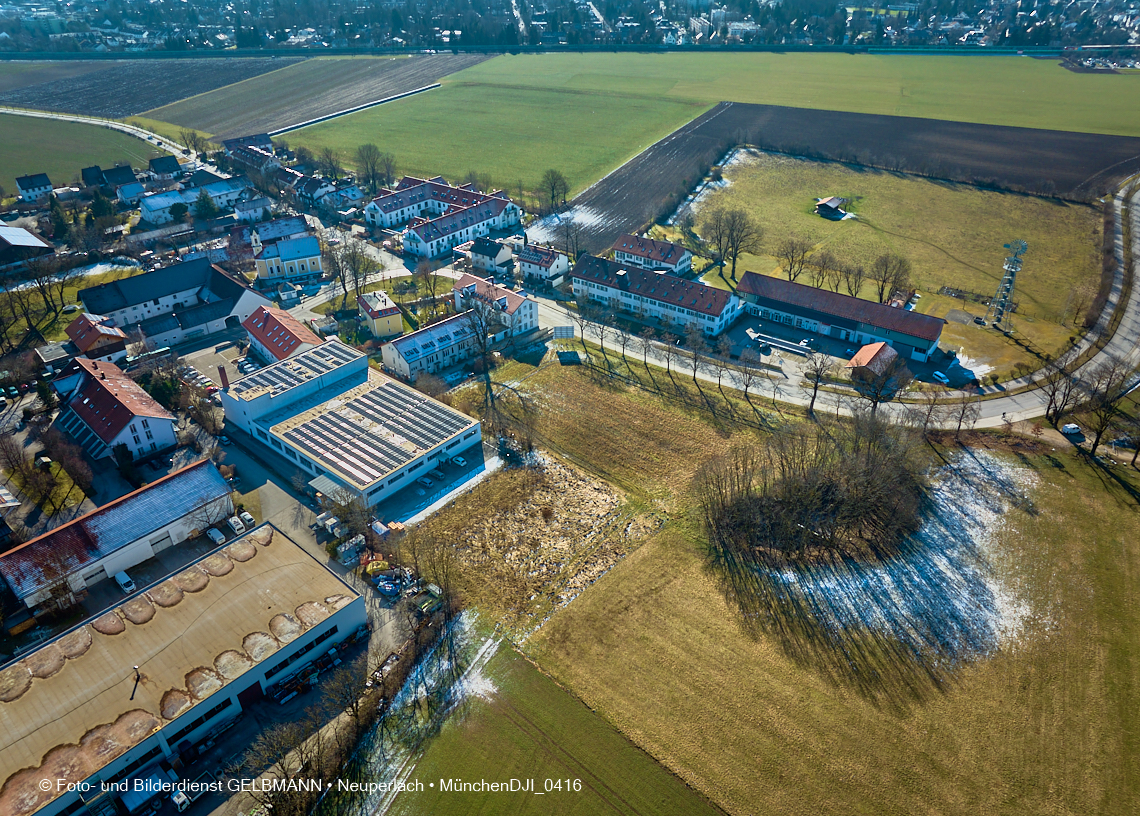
875, 356
660, 251
108, 400
490, 292
659, 287
278, 331
879, 315
87, 330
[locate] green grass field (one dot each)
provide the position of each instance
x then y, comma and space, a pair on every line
953, 235
992, 90
529, 728
1046, 727
510, 133
62, 149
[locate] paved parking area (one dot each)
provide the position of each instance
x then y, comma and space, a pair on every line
207, 360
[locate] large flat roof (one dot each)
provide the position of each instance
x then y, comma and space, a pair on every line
66, 709
371, 430
287, 374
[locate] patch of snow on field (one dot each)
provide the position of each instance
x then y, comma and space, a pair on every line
941, 597
545, 230
737, 157
975, 367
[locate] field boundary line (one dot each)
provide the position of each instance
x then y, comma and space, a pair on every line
223, 88
318, 120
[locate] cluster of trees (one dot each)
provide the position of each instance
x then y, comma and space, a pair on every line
1098, 397
888, 274
351, 263
730, 233
31, 297
850, 489
41, 485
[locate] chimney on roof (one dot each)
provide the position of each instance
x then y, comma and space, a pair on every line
224, 376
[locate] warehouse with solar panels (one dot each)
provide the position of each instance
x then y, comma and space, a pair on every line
347, 426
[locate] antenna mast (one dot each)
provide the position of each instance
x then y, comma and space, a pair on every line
1001, 307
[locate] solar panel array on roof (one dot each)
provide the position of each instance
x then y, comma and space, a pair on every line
287, 374
377, 432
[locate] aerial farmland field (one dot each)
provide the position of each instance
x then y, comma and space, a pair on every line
307, 90
115, 89
62, 149
509, 133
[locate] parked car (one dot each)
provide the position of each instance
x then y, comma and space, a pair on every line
458, 461
1071, 429
216, 536
125, 583
942, 378
246, 519
13, 393
425, 481
3, 403
235, 524
225, 440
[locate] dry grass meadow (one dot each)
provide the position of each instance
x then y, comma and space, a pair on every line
1047, 725
953, 235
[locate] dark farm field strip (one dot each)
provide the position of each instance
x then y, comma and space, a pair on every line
306, 91
118, 89
17, 75
1070, 165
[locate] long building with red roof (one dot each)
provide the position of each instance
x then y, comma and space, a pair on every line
101, 407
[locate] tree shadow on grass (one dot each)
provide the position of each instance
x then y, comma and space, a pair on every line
897, 630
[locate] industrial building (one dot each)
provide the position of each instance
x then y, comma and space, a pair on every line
143, 682
347, 427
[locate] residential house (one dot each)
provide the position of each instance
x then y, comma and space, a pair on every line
380, 314
156, 208
117, 726
853, 320
261, 141
276, 335
18, 245
431, 348
312, 189
164, 168
257, 159
677, 304
199, 178
830, 207
544, 264
458, 214
253, 210
517, 310
489, 255
97, 337
130, 193
101, 407
290, 259
33, 188
648, 253
175, 303
344, 425
344, 196
91, 176
116, 177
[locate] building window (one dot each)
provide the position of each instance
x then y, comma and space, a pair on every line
137, 440
146, 423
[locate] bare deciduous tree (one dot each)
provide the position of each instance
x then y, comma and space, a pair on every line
792, 254
964, 413
368, 170
890, 272
1103, 389
555, 188
877, 388
853, 277
818, 368
744, 236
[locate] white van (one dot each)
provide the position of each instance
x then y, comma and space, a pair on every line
125, 583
